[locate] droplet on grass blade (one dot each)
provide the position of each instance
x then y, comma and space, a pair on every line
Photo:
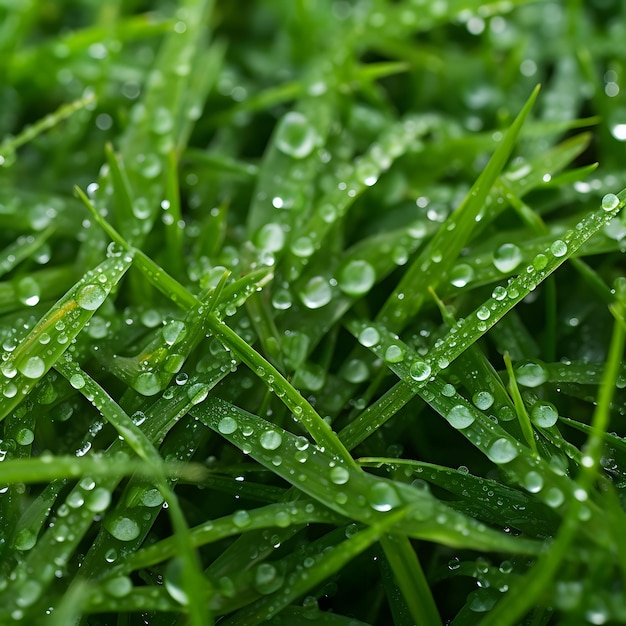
295, 136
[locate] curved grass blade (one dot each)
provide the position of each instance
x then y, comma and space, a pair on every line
348, 491
30, 361
446, 245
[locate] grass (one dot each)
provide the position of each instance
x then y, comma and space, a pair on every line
312, 313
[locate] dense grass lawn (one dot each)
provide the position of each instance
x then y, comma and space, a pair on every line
312, 312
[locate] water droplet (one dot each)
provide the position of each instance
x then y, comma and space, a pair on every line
267, 579
558, 248
533, 481
483, 313
355, 371
25, 539
90, 297
241, 519
610, 201
460, 417
24, 436
507, 257
27, 291
28, 593
270, 237
173, 332
461, 275
499, 293
152, 498
98, 500
502, 451
554, 497
227, 425
531, 374
316, 293
77, 381
270, 439
382, 496
339, 475
295, 136
302, 247
356, 278
420, 371
369, 337
33, 367
394, 354
482, 400
197, 393
119, 587
173, 580
147, 383
123, 528
544, 414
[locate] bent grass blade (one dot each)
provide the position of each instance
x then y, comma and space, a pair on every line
37, 353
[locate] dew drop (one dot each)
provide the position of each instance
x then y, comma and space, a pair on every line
267, 579
482, 400
147, 384
173, 332
507, 257
544, 414
610, 202
123, 528
558, 248
460, 417
28, 291
461, 275
270, 439
554, 497
339, 475
241, 519
531, 374
533, 482
227, 426
369, 337
420, 371
90, 297
270, 237
382, 496
33, 367
394, 354
356, 278
316, 293
295, 136
502, 451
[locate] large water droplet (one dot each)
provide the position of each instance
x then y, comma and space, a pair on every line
482, 400
461, 275
502, 451
394, 354
533, 481
33, 367
369, 337
147, 383
27, 291
531, 374
356, 278
267, 579
339, 475
544, 414
316, 293
558, 248
460, 417
270, 439
123, 528
270, 237
173, 332
90, 297
295, 136
507, 257
420, 371
227, 426
383, 497
610, 201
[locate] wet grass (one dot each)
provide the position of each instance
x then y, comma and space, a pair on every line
312, 313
